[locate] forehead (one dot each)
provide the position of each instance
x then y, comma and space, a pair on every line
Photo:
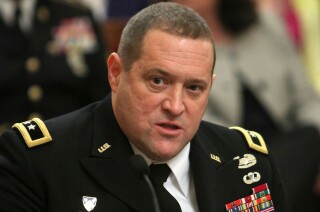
186, 51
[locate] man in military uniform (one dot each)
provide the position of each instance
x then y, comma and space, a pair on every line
51, 60
160, 81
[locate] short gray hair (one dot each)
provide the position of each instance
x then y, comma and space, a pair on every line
169, 17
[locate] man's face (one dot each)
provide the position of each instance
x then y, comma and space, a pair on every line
160, 101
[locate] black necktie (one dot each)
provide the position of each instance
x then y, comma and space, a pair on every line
159, 174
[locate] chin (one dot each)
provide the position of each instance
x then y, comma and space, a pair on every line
165, 155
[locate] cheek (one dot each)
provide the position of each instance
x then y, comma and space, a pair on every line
146, 106
197, 108
135, 98
142, 104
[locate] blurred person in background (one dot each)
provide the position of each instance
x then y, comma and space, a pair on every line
116, 14
302, 21
308, 12
111, 17
98, 8
265, 88
51, 59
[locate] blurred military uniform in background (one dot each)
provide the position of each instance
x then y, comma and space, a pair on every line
51, 59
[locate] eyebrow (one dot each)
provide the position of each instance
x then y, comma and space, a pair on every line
161, 71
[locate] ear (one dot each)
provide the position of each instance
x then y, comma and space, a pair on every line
114, 70
214, 76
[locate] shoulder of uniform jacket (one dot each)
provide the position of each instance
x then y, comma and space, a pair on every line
34, 132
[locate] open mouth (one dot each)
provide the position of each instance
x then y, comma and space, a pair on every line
169, 126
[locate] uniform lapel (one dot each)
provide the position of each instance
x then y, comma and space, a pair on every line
109, 165
214, 176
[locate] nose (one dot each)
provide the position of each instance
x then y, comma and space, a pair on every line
174, 102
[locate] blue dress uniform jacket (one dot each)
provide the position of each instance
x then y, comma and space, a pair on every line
55, 68
88, 157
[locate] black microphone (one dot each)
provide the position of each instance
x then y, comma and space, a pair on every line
141, 170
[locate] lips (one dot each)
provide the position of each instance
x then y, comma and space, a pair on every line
169, 126
169, 130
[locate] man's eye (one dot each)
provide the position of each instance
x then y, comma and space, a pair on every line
194, 87
157, 80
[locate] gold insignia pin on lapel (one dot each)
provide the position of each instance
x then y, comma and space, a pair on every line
247, 161
104, 147
215, 157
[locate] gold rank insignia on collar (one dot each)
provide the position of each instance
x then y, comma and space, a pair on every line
104, 147
254, 139
34, 132
215, 157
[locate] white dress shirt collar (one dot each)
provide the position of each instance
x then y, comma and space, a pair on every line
179, 165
